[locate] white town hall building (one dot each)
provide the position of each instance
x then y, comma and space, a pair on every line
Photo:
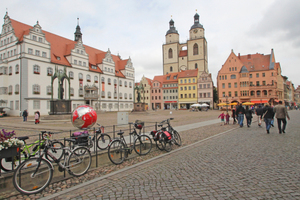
30, 56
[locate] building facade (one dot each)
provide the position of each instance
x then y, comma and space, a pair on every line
205, 89
170, 91
31, 56
253, 77
157, 93
187, 88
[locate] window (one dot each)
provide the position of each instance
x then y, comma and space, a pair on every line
109, 94
34, 37
130, 84
257, 75
194, 87
44, 54
36, 69
36, 104
80, 92
125, 96
195, 49
264, 83
171, 69
196, 66
225, 77
48, 90
235, 84
250, 75
49, 71
229, 85
109, 81
125, 84
229, 94
17, 88
189, 87
40, 39
130, 96
17, 105
80, 76
200, 86
10, 70
223, 85
233, 76
84, 64
30, 51
208, 85
10, 90
75, 62
72, 91
235, 93
88, 78
115, 81
80, 63
37, 52
170, 53
71, 75
257, 83
36, 89
120, 83
102, 80
96, 79
263, 74
120, 95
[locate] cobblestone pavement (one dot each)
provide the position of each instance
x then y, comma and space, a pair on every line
244, 163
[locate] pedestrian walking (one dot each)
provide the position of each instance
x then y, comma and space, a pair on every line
268, 116
240, 110
233, 115
281, 114
222, 115
248, 113
259, 113
36, 118
227, 116
25, 114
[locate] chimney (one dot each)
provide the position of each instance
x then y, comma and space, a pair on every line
249, 56
239, 55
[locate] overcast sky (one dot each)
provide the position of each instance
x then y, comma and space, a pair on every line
137, 28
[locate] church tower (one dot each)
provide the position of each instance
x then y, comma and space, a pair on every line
197, 47
185, 56
170, 50
77, 34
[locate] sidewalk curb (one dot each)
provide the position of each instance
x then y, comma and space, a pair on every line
130, 167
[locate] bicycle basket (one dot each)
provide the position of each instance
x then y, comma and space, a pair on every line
138, 124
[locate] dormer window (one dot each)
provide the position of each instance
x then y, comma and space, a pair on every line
34, 37
58, 58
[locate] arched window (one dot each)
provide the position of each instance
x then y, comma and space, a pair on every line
125, 83
130, 96
49, 71
96, 79
109, 81
80, 76
120, 83
88, 78
10, 70
171, 69
17, 88
170, 53
120, 95
72, 91
233, 76
125, 96
17, 69
103, 80
115, 81
71, 75
109, 94
10, 89
196, 66
36, 69
130, 84
195, 49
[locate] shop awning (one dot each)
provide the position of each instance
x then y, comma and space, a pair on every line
170, 101
261, 101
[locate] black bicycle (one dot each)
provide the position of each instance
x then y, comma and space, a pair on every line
83, 139
35, 174
118, 149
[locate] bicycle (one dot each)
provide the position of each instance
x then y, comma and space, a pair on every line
118, 149
83, 139
175, 135
9, 164
35, 174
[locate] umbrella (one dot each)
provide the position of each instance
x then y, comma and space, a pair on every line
222, 104
233, 104
204, 105
248, 103
196, 105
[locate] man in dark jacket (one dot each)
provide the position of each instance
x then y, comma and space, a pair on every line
240, 111
259, 113
25, 114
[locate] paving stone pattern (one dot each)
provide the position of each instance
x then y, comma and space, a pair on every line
244, 163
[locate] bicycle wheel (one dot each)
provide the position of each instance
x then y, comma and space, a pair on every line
168, 146
160, 143
177, 138
8, 164
79, 161
33, 175
56, 149
142, 145
103, 141
116, 152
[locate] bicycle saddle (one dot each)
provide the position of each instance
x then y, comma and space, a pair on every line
23, 138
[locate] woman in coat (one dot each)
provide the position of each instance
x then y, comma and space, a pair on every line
268, 115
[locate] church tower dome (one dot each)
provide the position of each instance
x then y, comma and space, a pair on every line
77, 34
196, 22
172, 28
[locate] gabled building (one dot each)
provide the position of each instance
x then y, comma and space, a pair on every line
187, 88
145, 84
170, 91
157, 93
253, 77
31, 56
205, 89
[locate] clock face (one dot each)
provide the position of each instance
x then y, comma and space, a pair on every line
195, 30
183, 67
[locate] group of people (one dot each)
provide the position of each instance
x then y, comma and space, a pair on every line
37, 116
265, 113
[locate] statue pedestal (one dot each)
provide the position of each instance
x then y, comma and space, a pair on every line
139, 106
60, 107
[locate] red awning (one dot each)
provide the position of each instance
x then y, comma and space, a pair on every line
261, 101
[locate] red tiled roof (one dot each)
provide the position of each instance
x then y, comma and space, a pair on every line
171, 79
256, 62
61, 47
188, 73
158, 78
183, 53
